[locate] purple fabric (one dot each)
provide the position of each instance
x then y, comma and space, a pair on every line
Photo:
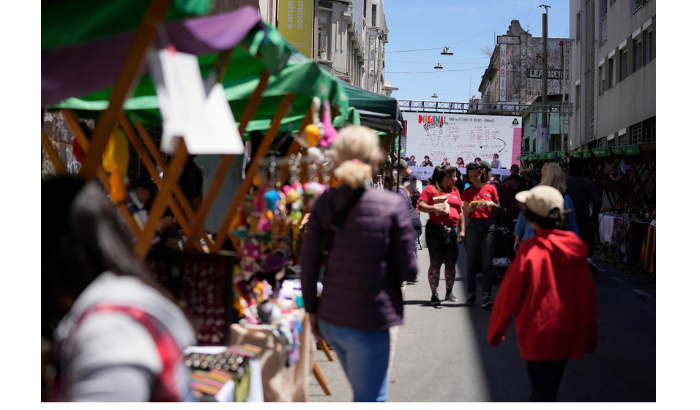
368, 259
86, 68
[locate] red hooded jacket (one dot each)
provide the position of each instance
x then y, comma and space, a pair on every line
551, 291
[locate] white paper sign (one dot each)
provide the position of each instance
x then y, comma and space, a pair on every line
204, 121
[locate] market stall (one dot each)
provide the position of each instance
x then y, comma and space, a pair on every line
265, 94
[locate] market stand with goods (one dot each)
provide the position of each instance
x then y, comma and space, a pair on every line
237, 267
625, 177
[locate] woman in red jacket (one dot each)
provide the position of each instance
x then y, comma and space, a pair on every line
551, 289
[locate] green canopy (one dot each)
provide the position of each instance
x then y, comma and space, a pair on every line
305, 79
586, 154
376, 111
68, 22
601, 152
574, 154
626, 150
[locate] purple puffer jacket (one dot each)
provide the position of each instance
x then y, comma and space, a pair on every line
368, 259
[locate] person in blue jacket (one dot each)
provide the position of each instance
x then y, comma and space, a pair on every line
552, 175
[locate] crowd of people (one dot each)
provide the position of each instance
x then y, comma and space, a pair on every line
97, 299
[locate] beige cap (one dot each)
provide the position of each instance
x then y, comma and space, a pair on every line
541, 200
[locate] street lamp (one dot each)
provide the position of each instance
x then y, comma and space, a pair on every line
434, 95
438, 67
446, 52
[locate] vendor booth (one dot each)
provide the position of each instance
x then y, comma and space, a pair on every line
233, 262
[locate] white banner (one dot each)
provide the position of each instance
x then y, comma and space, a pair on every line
464, 136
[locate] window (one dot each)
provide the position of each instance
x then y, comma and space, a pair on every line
601, 77
648, 50
578, 27
374, 15
636, 5
637, 55
611, 72
623, 64
322, 44
364, 10
325, 4
649, 130
603, 20
636, 134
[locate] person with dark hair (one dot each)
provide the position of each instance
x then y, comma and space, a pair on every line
444, 229
496, 163
587, 203
426, 162
118, 337
481, 203
411, 161
551, 291
477, 160
460, 163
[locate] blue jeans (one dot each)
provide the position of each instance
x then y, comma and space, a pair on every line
364, 355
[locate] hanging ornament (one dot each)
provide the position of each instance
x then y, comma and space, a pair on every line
329, 133
115, 161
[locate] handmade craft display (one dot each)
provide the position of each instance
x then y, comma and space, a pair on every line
268, 229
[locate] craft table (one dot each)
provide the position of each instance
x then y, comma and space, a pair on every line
280, 383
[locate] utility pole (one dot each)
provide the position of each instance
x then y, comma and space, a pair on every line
545, 79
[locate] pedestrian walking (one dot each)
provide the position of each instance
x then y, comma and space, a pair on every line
369, 239
444, 230
552, 175
551, 291
481, 204
587, 203
118, 337
417, 225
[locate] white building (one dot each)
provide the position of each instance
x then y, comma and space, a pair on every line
614, 72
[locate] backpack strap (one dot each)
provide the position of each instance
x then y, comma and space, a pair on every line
339, 219
165, 388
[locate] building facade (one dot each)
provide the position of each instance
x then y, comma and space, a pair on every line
351, 41
514, 77
614, 72
348, 37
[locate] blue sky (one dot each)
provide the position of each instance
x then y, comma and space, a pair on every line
466, 26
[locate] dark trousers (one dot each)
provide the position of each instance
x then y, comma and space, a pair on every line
480, 236
440, 253
588, 236
545, 377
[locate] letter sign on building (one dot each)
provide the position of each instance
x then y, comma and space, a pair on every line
502, 73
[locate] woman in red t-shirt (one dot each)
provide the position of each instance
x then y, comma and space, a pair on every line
441, 232
480, 206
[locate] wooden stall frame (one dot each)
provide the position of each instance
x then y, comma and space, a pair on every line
183, 202
134, 226
51, 152
227, 160
143, 242
264, 147
128, 76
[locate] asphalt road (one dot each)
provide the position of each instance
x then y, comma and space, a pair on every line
442, 355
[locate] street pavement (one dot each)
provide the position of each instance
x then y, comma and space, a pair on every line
442, 354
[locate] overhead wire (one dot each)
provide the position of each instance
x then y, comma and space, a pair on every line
471, 37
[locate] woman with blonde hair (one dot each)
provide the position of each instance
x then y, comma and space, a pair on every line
369, 239
552, 175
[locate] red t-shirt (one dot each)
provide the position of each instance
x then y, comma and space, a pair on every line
487, 192
452, 199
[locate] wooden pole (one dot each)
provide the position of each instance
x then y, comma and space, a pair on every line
150, 24
84, 143
227, 160
53, 156
183, 218
253, 168
143, 243
295, 148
